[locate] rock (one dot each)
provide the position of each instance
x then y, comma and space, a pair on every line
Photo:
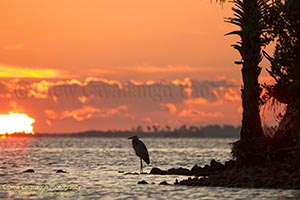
156, 170
232, 174
164, 183
130, 173
29, 171
173, 171
196, 169
180, 171
199, 171
206, 168
142, 182
214, 165
190, 182
205, 171
60, 171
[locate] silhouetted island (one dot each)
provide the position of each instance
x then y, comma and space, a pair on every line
209, 131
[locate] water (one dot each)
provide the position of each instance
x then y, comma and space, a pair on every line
97, 169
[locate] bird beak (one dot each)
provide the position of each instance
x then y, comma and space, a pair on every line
130, 137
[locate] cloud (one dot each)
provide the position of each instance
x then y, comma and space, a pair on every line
82, 99
110, 91
148, 120
196, 101
51, 114
232, 95
190, 113
119, 110
3, 90
88, 112
212, 91
67, 104
169, 107
80, 114
94, 90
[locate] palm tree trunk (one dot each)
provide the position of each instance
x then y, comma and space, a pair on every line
251, 122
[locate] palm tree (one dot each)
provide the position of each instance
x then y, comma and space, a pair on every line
249, 17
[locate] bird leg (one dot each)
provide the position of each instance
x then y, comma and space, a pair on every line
141, 166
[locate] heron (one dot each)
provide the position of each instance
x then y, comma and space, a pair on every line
140, 150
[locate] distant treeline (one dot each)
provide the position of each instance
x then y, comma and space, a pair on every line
213, 131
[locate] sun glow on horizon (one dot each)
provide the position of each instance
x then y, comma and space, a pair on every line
16, 123
18, 72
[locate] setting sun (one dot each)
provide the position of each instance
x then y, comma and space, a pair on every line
16, 123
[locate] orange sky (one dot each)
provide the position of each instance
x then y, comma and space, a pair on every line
46, 44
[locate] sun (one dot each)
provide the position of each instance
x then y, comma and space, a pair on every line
16, 123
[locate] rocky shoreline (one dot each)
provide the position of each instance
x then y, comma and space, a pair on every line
231, 174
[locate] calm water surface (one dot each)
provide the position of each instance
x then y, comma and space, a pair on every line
97, 169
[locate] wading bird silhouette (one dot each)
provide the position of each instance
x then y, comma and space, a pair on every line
140, 150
